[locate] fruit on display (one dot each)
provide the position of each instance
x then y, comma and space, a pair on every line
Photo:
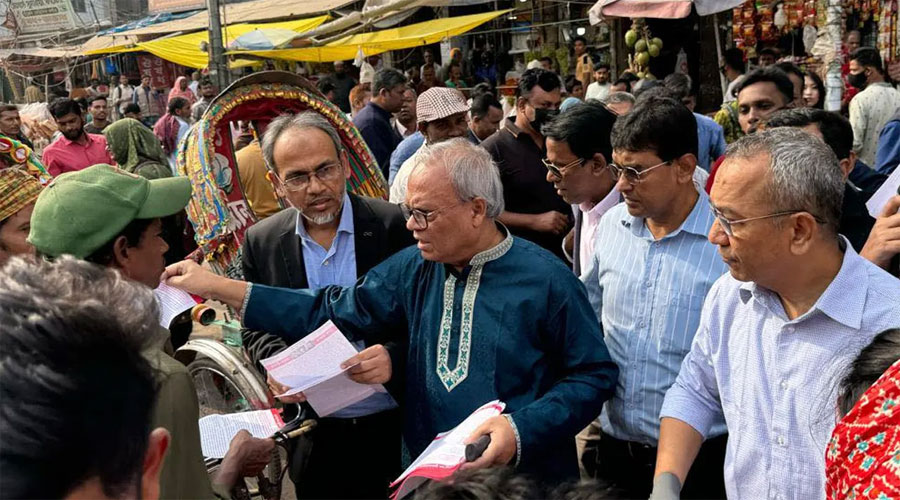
644, 46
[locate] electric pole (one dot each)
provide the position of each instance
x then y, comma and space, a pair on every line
218, 67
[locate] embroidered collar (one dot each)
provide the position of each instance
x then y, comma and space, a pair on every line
494, 253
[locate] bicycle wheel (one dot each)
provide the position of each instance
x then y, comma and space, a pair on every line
218, 391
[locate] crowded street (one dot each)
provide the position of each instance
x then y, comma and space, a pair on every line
518, 249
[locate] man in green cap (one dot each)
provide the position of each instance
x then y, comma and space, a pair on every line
111, 217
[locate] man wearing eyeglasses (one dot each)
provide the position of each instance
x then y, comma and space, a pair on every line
487, 315
778, 331
649, 272
328, 237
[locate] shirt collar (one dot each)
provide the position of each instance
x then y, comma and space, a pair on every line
608, 201
697, 222
379, 111
496, 251
66, 142
844, 298
344, 226
511, 127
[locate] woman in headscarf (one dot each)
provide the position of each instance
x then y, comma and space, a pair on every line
863, 457
136, 149
181, 89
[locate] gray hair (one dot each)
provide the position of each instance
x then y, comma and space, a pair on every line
618, 98
805, 173
471, 170
300, 121
387, 79
72, 286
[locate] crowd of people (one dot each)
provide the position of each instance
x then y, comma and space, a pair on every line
670, 305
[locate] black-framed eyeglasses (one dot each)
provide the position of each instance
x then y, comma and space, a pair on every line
632, 175
558, 171
728, 223
325, 173
422, 217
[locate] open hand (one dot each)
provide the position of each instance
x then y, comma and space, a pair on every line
550, 222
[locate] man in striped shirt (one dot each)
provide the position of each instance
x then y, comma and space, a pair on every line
649, 273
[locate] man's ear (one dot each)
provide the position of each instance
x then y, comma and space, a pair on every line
120, 253
599, 166
479, 210
154, 459
685, 165
276, 184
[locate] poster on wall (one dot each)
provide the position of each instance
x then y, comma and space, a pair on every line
162, 73
34, 16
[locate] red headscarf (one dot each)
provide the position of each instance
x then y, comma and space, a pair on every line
863, 456
177, 92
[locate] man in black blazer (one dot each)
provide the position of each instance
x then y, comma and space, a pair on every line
330, 237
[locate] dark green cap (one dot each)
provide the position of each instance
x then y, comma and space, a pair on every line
81, 211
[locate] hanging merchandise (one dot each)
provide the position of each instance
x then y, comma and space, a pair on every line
644, 45
888, 27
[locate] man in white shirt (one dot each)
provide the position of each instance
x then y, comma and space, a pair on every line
872, 108
600, 88
121, 96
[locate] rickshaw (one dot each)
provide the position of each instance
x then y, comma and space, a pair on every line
220, 214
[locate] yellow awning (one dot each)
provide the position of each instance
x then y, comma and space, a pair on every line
377, 42
185, 49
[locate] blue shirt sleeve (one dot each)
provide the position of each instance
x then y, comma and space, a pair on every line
888, 155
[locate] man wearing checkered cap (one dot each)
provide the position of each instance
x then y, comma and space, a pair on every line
441, 116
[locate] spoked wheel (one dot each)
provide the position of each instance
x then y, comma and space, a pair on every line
222, 390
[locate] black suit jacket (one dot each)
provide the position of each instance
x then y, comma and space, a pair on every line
271, 255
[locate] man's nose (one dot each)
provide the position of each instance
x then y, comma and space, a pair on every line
717, 234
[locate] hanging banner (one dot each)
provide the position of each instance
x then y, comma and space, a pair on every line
156, 6
162, 73
34, 16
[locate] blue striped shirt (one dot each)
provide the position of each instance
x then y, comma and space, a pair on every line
647, 294
775, 380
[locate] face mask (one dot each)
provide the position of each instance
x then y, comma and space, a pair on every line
858, 80
542, 116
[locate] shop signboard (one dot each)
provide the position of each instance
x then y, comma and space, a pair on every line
35, 16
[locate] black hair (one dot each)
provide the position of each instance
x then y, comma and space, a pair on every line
587, 489
581, 39
601, 65
546, 58
98, 97
679, 85
176, 103
571, 83
482, 103
133, 233
659, 124
820, 86
537, 77
205, 81
790, 68
63, 106
6, 106
77, 394
769, 51
325, 87
644, 94
772, 74
735, 59
868, 56
131, 107
454, 64
625, 82
492, 483
872, 362
586, 129
836, 129
629, 77
481, 88
387, 79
